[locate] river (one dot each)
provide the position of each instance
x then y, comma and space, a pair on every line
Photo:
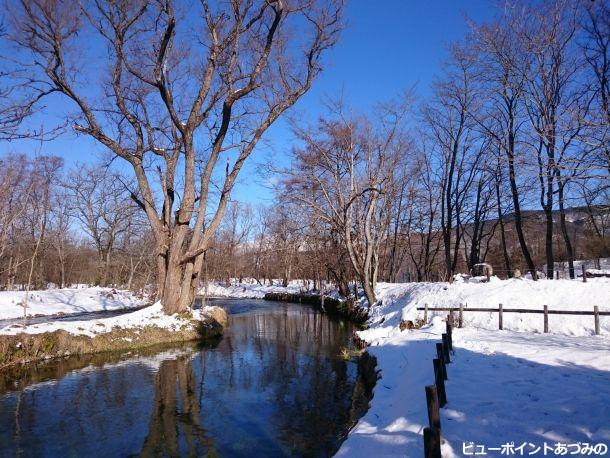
276, 384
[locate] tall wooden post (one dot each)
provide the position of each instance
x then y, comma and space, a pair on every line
432, 443
440, 354
445, 338
596, 316
461, 317
546, 318
434, 415
584, 273
500, 317
439, 382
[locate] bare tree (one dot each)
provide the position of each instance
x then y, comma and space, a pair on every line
344, 174
60, 226
101, 203
424, 239
47, 170
503, 70
596, 47
449, 119
552, 104
172, 105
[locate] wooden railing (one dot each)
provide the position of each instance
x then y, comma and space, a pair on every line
436, 396
501, 310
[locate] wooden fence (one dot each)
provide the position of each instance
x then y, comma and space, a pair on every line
436, 396
501, 311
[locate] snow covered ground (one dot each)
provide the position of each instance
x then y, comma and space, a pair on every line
513, 386
66, 301
400, 301
148, 316
250, 289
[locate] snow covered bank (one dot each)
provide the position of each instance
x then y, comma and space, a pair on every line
516, 385
400, 301
252, 290
152, 315
513, 387
144, 327
66, 301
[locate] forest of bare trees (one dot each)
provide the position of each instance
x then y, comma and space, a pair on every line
505, 162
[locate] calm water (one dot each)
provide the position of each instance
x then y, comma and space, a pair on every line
274, 385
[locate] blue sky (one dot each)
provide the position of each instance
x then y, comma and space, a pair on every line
387, 47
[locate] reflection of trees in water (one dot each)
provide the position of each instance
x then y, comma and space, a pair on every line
176, 414
274, 385
292, 358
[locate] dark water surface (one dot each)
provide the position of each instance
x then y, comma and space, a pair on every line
274, 385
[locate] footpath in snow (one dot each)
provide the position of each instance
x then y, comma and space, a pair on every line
518, 386
66, 301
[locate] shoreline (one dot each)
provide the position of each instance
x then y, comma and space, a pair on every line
140, 329
325, 304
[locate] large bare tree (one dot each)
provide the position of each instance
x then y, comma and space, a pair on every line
171, 88
344, 174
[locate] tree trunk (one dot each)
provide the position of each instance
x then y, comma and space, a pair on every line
518, 220
505, 256
564, 229
369, 292
548, 243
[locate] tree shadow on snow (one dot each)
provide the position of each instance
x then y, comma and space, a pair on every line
494, 399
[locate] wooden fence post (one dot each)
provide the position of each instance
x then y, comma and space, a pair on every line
546, 318
596, 315
440, 355
432, 443
449, 335
445, 338
434, 415
426, 313
461, 317
584, 273
439, 382
500, 317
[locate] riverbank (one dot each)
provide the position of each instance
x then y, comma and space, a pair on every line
67, 301
517, 385
145, 327
276, 384
339, 308
328, 301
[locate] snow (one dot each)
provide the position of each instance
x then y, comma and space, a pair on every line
530, 388
66, 301
401, 301
516, 385
151, 315
252, 290
591, 265
598, 271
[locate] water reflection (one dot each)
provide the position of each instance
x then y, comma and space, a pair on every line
176, 413
274, 386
